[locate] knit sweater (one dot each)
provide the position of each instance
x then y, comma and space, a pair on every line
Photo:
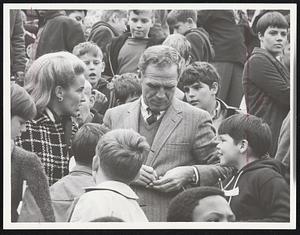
27, 166
45, 137
114, 48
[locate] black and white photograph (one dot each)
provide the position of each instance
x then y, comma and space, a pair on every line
144, 116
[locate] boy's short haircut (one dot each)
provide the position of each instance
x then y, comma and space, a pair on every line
160, 56
85, 141
68, 12
87, 47
107, 14
176, 16
180, 43
251, 128
126, 85
137, 12
182, 206
271, 19
200, 72
120, 152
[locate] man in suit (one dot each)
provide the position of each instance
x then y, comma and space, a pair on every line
181, 137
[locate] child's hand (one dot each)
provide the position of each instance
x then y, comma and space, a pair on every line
100, 98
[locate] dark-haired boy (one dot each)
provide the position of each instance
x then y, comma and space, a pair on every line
184, 22
201, 84
258, 191
266, 81
64, 191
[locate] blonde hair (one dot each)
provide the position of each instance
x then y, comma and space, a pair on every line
180, 43
49, 71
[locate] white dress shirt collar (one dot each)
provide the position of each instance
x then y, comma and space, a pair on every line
145, 112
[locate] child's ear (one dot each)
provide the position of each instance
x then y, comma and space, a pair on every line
103, 66
259, 36
96, 163
190, 21
243, 146
92, 101
214, 88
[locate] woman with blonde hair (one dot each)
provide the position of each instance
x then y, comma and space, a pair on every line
26, 166
55, 81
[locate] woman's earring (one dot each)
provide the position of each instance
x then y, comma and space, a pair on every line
60, 99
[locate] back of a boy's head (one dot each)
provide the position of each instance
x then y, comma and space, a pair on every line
180, 43
200, 72
85, 141
120, 152
126, 85
176, 16
107, 14
251, 128
271, 19
87, 47
181, 207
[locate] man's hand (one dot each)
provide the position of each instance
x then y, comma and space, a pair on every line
174, 179
146, 176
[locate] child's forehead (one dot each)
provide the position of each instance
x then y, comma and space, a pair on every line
271, 27
90, 55
225, 136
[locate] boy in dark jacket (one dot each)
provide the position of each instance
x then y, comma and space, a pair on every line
124, 52
266, 81
184, 22
258, 191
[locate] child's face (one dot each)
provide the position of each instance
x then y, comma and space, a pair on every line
95, 67
213, 209
228, 151
140, 24
273, 40
200, 95
181, 27
85, 104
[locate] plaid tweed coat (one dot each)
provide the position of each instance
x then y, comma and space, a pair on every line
45, 137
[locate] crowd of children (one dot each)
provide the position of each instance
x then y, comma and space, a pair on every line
81, 164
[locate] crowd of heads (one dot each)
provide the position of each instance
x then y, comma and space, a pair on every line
68, 81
